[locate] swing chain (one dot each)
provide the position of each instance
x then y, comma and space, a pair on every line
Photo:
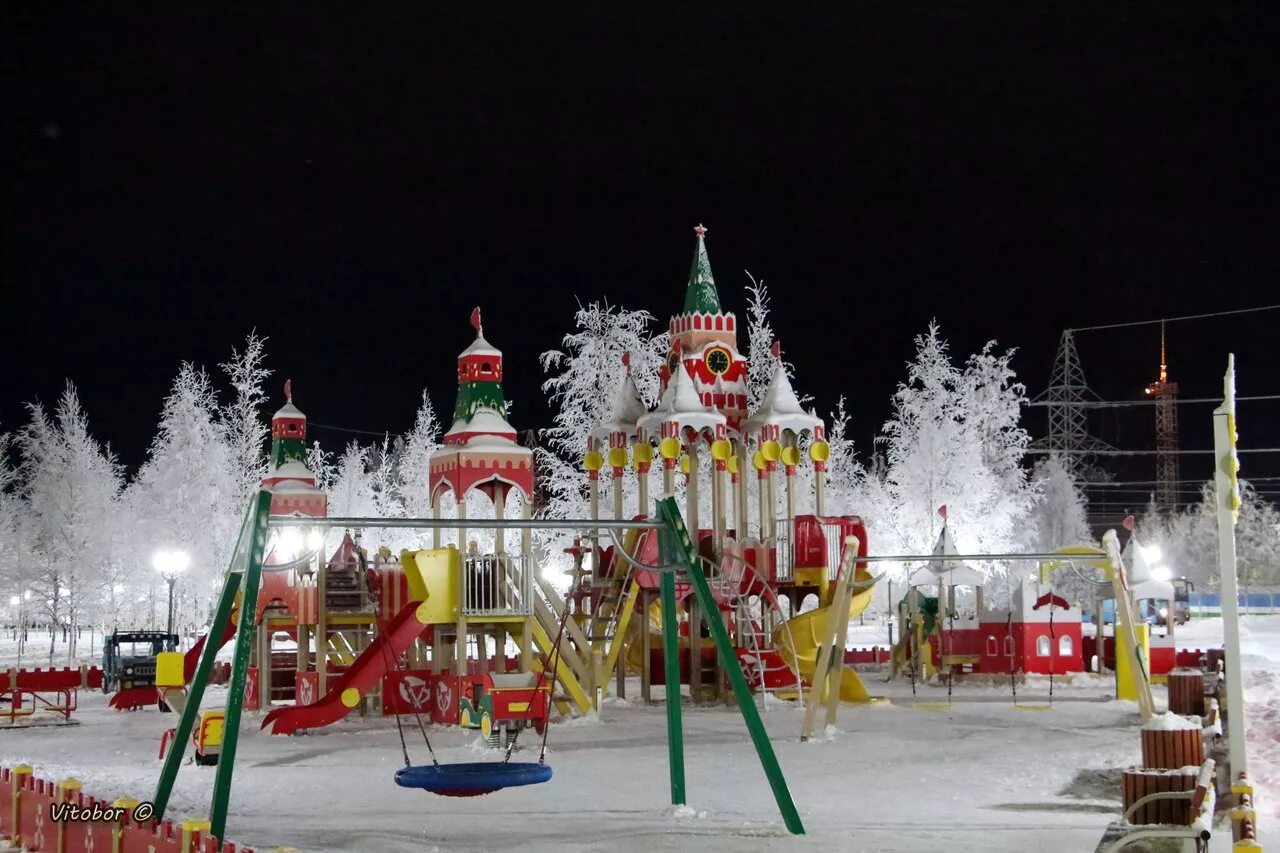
551, 660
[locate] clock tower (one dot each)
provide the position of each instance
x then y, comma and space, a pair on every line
704, 340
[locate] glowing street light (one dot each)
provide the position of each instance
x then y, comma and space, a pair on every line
170, 564
1152, 553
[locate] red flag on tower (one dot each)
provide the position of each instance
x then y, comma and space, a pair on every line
475, 320
942, 511
626, 362
288, 390
776, 349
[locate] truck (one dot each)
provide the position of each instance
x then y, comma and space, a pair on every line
129, 658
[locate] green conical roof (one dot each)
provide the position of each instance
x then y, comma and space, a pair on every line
701, 297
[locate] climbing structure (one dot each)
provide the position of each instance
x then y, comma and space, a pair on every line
761, 564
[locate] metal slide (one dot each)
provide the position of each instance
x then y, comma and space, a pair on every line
347, 689
797, 643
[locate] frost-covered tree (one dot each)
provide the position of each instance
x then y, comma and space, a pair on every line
70, 483
846, 478
585, 375
10, 513
414, 471
351, 491
954, 439
1188, 540
761, 361
187, 495
1058, 520
244, 425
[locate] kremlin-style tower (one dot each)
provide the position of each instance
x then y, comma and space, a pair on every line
291, 483
480, 449
704, 337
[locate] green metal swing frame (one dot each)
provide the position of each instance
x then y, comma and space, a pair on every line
243, 578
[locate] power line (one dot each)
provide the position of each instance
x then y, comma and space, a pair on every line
1117, 404
382, 434
1175, 319
1153, 452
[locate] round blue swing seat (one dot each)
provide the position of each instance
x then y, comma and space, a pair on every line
472, 780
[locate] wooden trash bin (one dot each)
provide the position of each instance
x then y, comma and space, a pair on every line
1165, 747
1139, 782
1186, 692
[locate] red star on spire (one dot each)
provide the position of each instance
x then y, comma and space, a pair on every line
699, 230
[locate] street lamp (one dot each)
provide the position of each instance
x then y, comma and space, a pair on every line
170, 564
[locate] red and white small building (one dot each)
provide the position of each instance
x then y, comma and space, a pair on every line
1041, 635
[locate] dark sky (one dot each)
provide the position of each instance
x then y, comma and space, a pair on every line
351, 185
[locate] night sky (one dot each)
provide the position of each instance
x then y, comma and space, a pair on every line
352, 185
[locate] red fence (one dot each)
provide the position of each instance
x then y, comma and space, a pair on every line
41, 816
88, 677
875, 655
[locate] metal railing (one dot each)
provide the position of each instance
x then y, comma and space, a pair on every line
785, 559
834, 536
497, 585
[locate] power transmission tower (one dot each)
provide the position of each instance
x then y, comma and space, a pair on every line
1068, 435
1165, 394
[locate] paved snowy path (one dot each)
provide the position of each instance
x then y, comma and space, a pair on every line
980, 777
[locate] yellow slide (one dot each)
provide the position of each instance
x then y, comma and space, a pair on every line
798, 639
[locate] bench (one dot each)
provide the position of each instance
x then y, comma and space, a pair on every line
1122, 833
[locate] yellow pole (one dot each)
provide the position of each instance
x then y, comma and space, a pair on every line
1127, 675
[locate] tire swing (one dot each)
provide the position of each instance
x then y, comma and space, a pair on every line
474, 779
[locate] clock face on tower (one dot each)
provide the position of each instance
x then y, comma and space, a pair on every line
718, 360
673, 362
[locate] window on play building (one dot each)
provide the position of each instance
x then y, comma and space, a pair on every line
1065, 645
486, 368
1042, 647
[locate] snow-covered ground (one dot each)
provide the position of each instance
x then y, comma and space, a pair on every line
982, 776
1260, 648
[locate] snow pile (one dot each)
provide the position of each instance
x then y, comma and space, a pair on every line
1170, 722
1259, 638
686, 813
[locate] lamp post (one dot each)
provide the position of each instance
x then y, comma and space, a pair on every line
170, 564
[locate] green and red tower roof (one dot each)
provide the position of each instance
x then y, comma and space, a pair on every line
480, 449
290, 481
704, 340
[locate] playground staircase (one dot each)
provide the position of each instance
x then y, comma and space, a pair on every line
340, 650
574, 667
343, 591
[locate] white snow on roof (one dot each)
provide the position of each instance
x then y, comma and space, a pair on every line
294, 487
481, 347
484, 419
680, 403
781, 407
292, 470
289, 410
497, 442
627, 411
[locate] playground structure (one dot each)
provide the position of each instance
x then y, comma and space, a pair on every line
412, 634
1037, 632
450, 635
346, 634
762, 565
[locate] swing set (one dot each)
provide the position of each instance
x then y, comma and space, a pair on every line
677, 554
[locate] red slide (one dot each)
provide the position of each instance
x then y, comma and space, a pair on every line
363, 674
137, 697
